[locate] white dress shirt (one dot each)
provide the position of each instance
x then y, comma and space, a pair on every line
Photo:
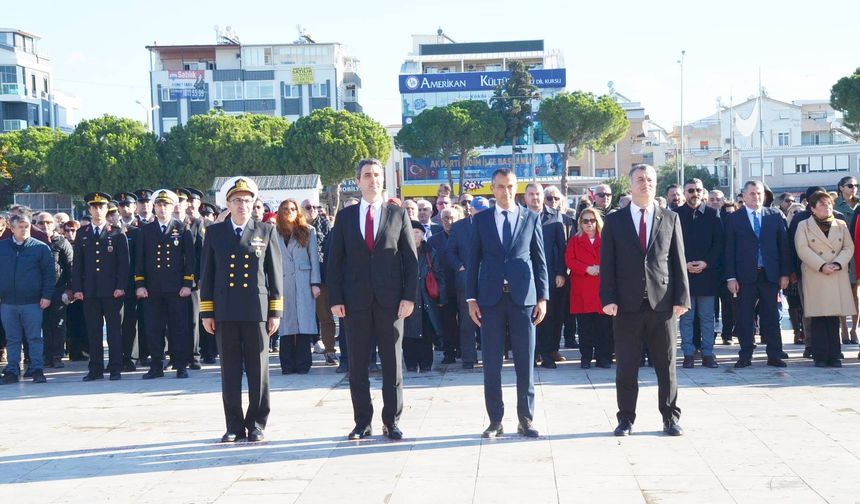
649, 219
750, 213
362, 216
242, 227
513, 213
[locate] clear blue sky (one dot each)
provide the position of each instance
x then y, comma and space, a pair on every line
97, 48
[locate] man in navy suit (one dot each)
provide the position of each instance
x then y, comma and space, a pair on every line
457, 254
757, 266
507, 290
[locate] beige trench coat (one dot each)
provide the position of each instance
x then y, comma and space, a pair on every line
825, 295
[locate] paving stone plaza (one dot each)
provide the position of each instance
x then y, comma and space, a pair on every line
754, 435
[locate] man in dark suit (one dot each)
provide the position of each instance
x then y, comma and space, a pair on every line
164, 273
643, 285
757, 267
448, 312
241, 303
192, 220
703, 250
457, 254
373, 283
99, 278
131, 305
554, 242
507, 290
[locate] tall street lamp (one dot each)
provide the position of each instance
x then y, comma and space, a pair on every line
148, 110
681, 157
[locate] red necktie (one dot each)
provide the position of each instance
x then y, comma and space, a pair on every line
368, 229
643, 239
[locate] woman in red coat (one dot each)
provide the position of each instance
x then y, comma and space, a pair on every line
583, 259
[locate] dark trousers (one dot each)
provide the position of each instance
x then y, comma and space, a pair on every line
468, 350
594, 330
142, 347
826, 346
171, 310
194, 324
764, 293
76, 331
724, 306
129, 325
657, 330
54, 330
2, 335
244, 346
549, 330
98, 313
361, 327
342, 343
295, 353
418, 352
496, 321
450, 331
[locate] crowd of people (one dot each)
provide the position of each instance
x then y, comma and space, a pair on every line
146, 270
805, 260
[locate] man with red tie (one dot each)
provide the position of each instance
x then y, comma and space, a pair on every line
373, 283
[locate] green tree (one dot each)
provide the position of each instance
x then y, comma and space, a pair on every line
845, 96
478, 126
580, 120
513, 101
26, 157
619, 185
219, 145
667, 175
331, 143
107, 154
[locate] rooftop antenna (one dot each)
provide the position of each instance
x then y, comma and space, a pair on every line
304, 36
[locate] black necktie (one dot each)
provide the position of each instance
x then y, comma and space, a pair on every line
163, 229
96, 230
238, 232
506, 232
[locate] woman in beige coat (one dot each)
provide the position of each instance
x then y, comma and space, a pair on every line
825, 248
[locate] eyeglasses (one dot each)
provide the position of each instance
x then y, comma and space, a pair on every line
43, 222
850, 186
603, 194
552, 198
245, 201
694, 190
309, 207
589, 221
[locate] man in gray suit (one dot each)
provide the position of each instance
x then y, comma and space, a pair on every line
643, 285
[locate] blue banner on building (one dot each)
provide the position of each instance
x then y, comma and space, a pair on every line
475, 81
481, 168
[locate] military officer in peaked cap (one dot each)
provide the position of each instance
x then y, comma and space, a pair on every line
99, 278
203, 344
164, 274
241, 303
127, 203
143, 209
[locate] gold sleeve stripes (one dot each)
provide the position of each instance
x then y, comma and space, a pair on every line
207, 306
276, 304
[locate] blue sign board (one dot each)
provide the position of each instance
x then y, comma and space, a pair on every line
481, 168
475, 81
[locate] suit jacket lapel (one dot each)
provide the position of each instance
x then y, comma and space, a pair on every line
519, 224
655, 226
383, 217
628, 219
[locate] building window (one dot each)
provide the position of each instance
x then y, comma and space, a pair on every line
259, 90
228, 90
842, 162
801, 165
33, 85
783, 139
165, 95
755, 168
319, 90
9, 80
168, 123
703, 145
256, 56
291, 91
604, 172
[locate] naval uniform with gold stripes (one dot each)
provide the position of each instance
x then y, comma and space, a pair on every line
241, 287
165, 262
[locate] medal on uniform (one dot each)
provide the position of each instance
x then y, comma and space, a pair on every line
110, 246
259, 253
175, 243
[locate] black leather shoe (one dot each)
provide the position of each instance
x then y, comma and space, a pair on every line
784, 355
39, 376
255, 435
232, 437
360, 433
392, 432
115, 375
94, 376
807, 354
144, 361
343, 367
776, 363
625, 428
153, 373
742, 363
604, 364
585, 365
526, 429
688, 362
820, 364
448, 360
194, 365
494, 430
832, 363
548, 364
709, 361
209, 360
468, 365
182, 373
128, 367
672, 428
